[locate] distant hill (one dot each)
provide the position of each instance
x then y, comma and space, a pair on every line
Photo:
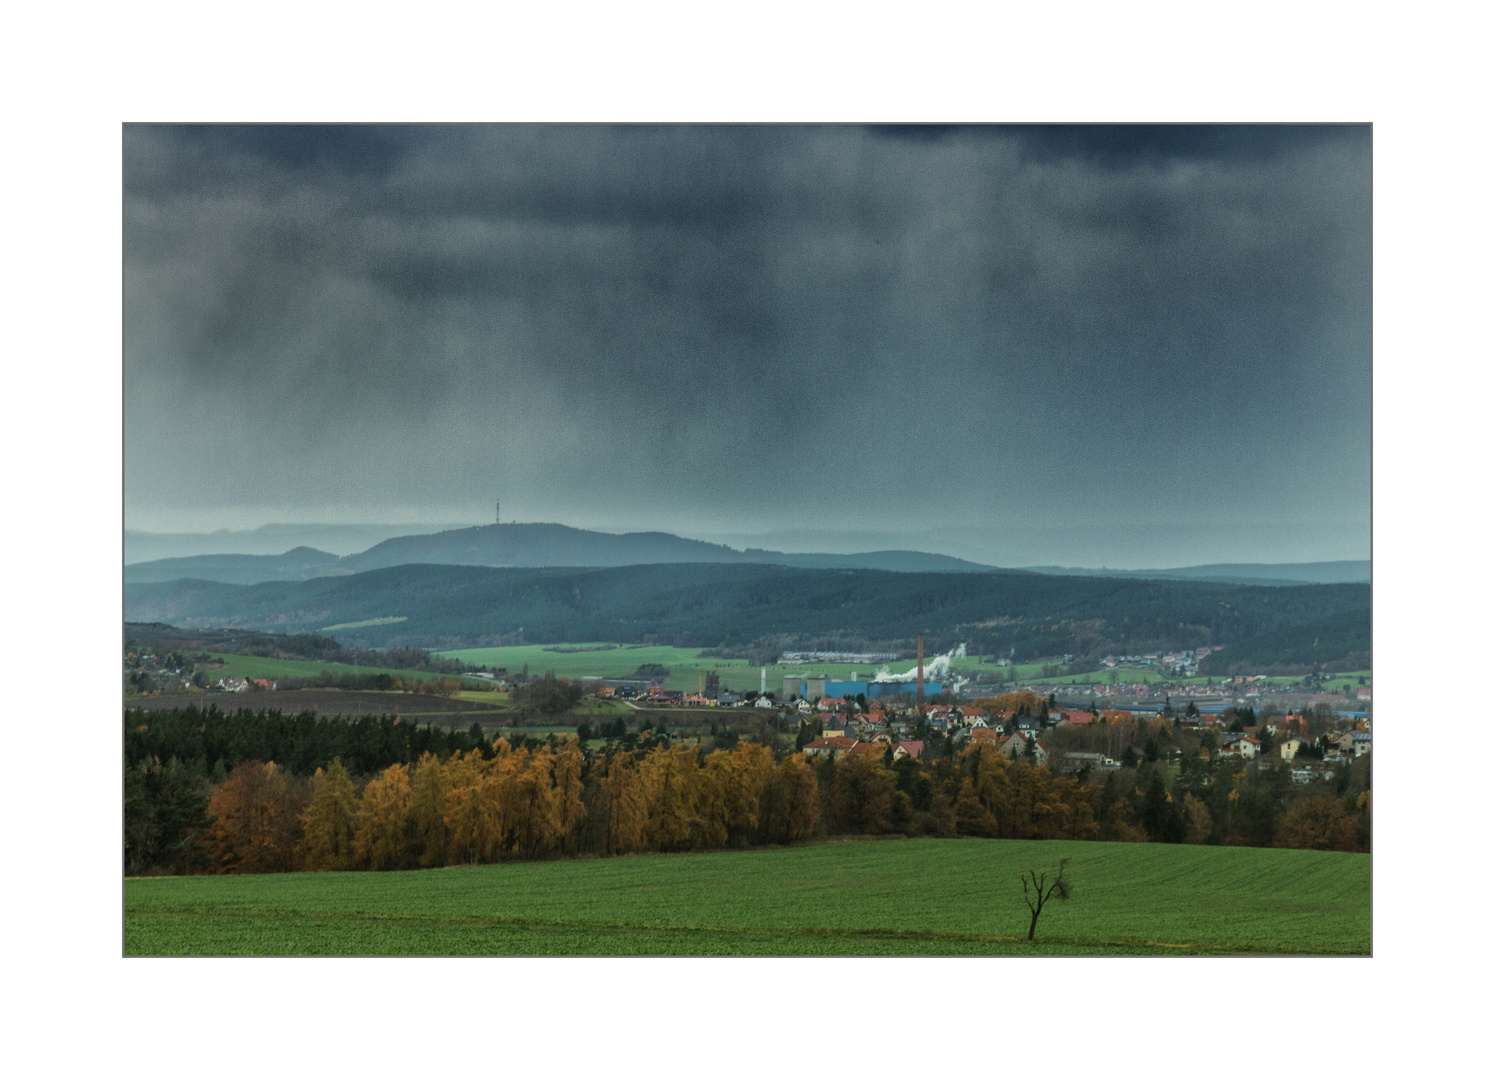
143, 546
1317, 573
298, 564
538, 545
533, 545
703, 604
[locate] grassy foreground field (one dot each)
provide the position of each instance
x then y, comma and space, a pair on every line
870, 897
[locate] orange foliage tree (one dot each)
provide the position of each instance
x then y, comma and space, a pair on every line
255, 820
474, 824
1319, 824
384, 820
793, 801
428, 795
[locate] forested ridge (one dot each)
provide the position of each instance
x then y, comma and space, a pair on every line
251, 792
1340, 641
707, 605
166, 638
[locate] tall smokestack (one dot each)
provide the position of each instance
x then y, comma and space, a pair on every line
921, 671
762, 681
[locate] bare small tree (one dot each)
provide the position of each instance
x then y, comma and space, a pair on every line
1042, 891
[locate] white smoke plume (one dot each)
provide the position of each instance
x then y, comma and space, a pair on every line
935, 667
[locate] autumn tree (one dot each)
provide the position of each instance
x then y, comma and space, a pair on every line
327, 834
744, 775
984, 802
1196, 820
570, 809
791, 801
627, 805
255, 820
862, 795
428, 795
1319, 823
672, 785
1013, 702
384, 819
530, 811
474, 824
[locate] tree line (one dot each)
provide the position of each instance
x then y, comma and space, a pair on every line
159, 637
418, 797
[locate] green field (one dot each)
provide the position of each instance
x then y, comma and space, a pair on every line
867, 897
269, 667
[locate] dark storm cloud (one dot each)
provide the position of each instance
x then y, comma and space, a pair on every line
681, 327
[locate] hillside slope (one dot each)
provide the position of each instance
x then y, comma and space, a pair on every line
710, 604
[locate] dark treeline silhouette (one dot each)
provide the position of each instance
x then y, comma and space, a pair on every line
164, 638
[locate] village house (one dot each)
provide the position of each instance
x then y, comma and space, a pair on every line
833, 746
1240, 745
1017, 744
1344, 742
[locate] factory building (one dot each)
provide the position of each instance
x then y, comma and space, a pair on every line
878, 689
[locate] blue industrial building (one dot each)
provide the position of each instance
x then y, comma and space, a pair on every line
878, 689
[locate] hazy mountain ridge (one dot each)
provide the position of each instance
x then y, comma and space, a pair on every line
527, 545
277, 539
298, 564
543, 544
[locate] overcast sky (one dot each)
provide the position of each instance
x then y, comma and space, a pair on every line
1091, 346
